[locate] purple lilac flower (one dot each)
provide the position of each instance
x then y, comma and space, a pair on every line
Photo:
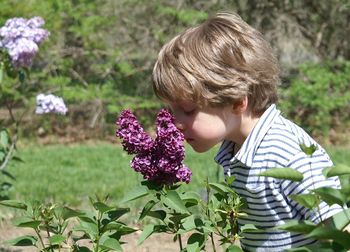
21, 37
50, 104
159, 160
135, 140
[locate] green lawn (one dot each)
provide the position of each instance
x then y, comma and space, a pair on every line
70, 174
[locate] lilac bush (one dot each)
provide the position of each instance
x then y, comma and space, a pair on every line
50, 104
159, 160
21, 37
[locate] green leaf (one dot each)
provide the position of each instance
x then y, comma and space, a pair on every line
190, 198
302, 249
117, 213
338, 170
222, 188
138, 192
149, 205
303, 227
4, 138
194, 247
26, 222
331, 196
89, 227
283, 173
340, 220
173, 200
158, 214
308, 150
152, 185
14, 203
69, 213
147, 231
121, 228
233, 248
307, 200
111, 243
249, 228
188, 224
209, 229
26, 240
6, 173
87, 218
82, 249
101, 207
230, 180
17, 159
57, 239
196, 238
323, 232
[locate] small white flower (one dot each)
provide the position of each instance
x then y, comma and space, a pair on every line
50, 104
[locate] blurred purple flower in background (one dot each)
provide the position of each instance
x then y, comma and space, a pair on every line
21, 38
50, 104
159, 160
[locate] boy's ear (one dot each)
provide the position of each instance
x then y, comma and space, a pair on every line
240, 106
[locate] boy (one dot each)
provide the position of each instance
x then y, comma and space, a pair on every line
220, 79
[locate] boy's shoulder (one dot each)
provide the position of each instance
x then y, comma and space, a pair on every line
284, 140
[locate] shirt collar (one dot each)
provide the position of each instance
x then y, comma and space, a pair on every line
247, 151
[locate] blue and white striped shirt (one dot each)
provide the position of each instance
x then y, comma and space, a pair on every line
275, 142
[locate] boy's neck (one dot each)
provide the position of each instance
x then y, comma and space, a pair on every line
248, 122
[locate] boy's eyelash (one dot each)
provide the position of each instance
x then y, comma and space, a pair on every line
189, 112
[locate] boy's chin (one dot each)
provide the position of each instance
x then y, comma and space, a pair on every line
200, 149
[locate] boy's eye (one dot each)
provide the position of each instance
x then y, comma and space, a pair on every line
189, 112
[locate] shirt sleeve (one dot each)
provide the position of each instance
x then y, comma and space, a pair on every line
311, 167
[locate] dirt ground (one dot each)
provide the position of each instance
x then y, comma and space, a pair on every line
155, 243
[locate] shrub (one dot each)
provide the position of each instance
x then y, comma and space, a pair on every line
317, 97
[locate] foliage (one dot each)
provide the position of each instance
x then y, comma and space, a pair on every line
330, 233
6, 154
318, 97
55, 228
178, 212
186, 212
18, 46
104, 51
81, 57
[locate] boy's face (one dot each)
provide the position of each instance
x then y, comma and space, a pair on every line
203, 128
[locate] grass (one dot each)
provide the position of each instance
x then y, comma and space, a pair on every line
339, 155
70, 174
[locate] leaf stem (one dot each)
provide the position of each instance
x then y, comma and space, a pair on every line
40, 238
180, 241
212, 241
208, 213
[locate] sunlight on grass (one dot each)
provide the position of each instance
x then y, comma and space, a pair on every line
70, 174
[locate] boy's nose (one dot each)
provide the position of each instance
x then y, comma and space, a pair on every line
179, 125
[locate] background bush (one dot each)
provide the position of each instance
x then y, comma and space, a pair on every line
101, 53
317, 97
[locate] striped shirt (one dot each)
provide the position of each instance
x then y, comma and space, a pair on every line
275, 142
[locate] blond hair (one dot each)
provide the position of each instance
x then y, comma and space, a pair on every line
218, 63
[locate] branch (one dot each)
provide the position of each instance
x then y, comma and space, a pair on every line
9, 153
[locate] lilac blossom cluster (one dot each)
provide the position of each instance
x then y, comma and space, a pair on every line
21, 38
50, 104
159, 160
